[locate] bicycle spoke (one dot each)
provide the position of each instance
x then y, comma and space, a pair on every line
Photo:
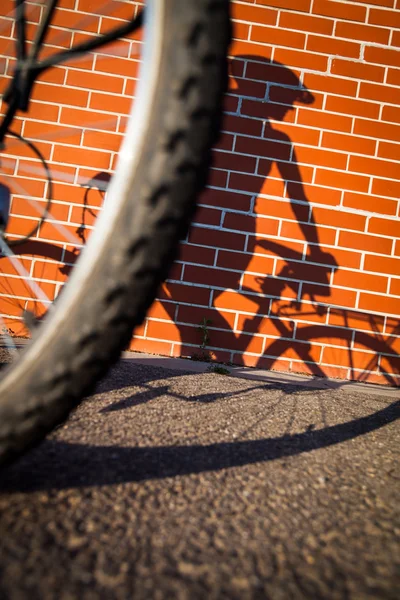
19, 267
70, 237
62, 133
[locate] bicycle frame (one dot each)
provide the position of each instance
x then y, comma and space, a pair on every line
29, 66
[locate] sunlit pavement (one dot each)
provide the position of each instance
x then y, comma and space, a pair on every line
169, 484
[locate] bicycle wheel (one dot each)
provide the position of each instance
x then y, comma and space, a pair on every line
162, 167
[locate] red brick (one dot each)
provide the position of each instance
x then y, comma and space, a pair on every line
241, 261
386, 18
253, 14
225, 199
265, 71
110, 103
332, 46
284, 171
211, 277
225, 142
305, 23
281, 209
388, 150
298, 5
85, 118
278, 37
242, 302
385, 187
266, 110
235, 162
336, 179
393, 78
383, 56
381, 226
368, 242
376, 129
373, 166
357, 70
370, 203
325, 334
331, 295
196, 254
387, 3
207, 216
395, 287
295, 134
339, 219
42, 111
242, 125
344, 258
231, 104
338, 10
58, 133
380, 93
249, 224
239, 48
260, 325
304, 60
352, 107
245, 87
150, 346
102, 140
324, 158
313, 194
271, 287
217, 178
292, 230
356, 320
379, 304
382, 264
54, 37
182, 293
304, 271
240, 31
391, 113
80, 156
354, 359
246, 183
50, 271
334, 85
193, 314
348, 143
216, 238
94, 81
259, 147
60, 95
325, 121
360, 281
35, 208
364, 33
396, 39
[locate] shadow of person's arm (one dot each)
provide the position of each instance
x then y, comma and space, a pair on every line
290, 173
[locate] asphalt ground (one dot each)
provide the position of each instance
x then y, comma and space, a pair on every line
170, 484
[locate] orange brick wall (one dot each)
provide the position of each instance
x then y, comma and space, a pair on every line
294, 254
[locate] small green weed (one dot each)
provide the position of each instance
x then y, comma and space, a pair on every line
219, 370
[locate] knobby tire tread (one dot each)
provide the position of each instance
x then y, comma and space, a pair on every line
141, 262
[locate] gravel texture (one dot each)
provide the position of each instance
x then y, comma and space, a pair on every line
167, 484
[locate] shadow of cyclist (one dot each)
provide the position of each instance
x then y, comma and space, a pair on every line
302, 273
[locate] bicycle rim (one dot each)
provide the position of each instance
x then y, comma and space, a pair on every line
134, 243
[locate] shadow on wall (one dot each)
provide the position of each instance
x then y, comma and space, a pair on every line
15, 294
277, 288
267, 302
